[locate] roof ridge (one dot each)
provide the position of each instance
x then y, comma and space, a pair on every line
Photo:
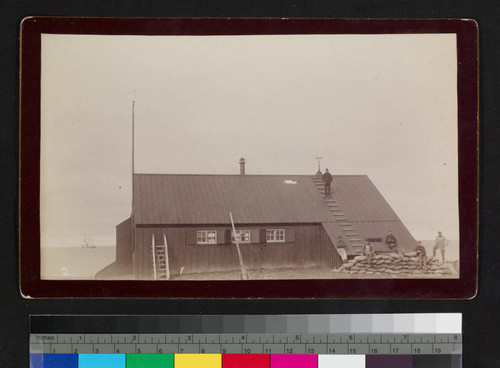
238, 175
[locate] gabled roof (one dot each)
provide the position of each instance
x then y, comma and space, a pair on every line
208, 199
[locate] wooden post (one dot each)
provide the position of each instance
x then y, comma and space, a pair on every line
154, 256
243, 271
166, 256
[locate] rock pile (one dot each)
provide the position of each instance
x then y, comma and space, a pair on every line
396, 264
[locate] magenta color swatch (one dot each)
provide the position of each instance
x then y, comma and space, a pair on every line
294, 361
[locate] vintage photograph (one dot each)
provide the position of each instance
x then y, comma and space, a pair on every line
249, 157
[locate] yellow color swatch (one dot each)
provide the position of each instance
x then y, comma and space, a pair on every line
198, 360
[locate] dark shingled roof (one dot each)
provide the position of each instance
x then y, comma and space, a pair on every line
208, 199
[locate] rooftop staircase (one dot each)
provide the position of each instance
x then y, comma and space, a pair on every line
352, 239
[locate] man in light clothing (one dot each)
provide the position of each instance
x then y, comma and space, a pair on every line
341, 248
440, 243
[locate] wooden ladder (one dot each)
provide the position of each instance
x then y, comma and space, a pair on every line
159, 255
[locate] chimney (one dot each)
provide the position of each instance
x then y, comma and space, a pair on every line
242, 166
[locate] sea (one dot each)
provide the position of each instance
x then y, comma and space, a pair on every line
78, 263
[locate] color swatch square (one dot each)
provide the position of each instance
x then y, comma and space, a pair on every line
53, 361
384, 361
150, 360
198, 360
101, 361
341, 361
245, 361
293, 361
432, 361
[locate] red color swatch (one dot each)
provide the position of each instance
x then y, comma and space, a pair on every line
245, 361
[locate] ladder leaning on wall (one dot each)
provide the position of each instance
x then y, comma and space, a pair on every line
159, 255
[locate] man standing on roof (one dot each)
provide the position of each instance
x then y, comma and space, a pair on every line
440, 243
391, 242
327, 180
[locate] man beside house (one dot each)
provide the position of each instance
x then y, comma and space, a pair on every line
422, 256
341, 248
391, 242
327, 180
440, 243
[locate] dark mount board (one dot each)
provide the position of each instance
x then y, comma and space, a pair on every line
33, 286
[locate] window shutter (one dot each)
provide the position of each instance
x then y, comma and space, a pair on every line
262, 236
227, 234
255, 236
190, 236
221, 236
290, 235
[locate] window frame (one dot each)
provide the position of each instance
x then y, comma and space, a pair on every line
233, 239
206, 241
275, 236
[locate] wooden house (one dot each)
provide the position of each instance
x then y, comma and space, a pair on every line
281, 221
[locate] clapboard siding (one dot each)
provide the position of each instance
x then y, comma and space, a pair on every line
305, 251
124, 242
331, 258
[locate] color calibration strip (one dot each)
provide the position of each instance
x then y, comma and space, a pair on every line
241, 361
275, 341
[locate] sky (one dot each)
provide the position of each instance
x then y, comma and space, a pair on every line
378, 105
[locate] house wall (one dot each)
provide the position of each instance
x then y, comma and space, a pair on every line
305, 246
124, 238
329, 252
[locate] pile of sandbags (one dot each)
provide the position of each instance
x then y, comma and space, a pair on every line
395, 264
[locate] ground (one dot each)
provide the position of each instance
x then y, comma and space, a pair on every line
294, 273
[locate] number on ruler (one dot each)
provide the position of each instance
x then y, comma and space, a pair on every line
289, 351
352, 351
416, 350
247, 350
395, 350
437, 350
310, 351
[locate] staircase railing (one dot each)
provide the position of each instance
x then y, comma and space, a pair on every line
153, 252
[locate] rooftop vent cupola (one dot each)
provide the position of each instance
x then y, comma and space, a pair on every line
242, 166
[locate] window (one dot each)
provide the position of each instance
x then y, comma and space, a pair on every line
275, 235
243, 236
206, 237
